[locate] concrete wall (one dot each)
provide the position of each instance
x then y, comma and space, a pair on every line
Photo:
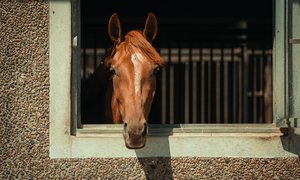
24, 119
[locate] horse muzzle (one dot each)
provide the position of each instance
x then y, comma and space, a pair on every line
134, 137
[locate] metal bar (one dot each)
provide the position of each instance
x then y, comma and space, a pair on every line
267, 90
164, 96
254, 88
209, 87
194, 92
191, 88
75, 72
172, 112
234, 106
186, 91
225, 87
180, 103
245, 82
168, 97
240, 88
159, 89
171, 88
261, 84
202, 86
218, 91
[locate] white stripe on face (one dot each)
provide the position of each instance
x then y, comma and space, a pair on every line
136, 58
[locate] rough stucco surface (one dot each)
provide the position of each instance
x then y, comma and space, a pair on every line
24, 119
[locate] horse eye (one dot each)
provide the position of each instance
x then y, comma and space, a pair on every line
112, 71
157, 69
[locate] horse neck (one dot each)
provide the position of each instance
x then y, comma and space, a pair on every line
97, 94
98, 79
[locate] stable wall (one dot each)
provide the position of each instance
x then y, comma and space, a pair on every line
24, 119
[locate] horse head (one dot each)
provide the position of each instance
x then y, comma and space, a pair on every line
133, 63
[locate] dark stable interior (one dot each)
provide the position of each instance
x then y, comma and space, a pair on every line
182, 24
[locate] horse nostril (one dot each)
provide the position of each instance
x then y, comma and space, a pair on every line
145, 132
125, 127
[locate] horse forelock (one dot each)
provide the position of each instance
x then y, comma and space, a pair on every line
135, 42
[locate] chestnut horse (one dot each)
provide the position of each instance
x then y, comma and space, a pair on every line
131, 66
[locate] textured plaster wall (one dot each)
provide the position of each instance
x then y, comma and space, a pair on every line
24, 119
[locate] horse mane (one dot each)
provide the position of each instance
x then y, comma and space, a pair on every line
135, 41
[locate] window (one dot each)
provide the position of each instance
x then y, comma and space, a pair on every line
218, 67
208, 140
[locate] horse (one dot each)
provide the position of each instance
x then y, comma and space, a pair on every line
125, 82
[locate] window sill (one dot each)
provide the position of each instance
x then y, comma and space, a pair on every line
106, 141
156, 130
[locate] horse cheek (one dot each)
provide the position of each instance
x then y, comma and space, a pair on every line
115, 111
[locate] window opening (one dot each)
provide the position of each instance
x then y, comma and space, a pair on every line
218, 63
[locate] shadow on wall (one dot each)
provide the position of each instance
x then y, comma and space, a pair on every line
156, 167
291, 138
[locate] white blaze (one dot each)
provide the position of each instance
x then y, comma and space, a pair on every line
136, 58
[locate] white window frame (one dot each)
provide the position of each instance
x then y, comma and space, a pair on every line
106, 141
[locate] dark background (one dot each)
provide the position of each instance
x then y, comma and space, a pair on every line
180, 20
191, 24
176, 8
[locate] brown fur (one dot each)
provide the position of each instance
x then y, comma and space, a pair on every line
134, 40
132, 83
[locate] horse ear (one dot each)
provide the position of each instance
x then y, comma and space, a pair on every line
150, 30
114, 28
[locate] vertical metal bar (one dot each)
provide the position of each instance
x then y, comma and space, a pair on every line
168, 97
225, 84
159, 89
75, 72
191, 85
240, 87
218, 90
186, 91
164, 96
245, 82
202, 86
268, 90
194, 91
209, 86
172, 112
261, 85
180, 103
254, 90
234, 106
